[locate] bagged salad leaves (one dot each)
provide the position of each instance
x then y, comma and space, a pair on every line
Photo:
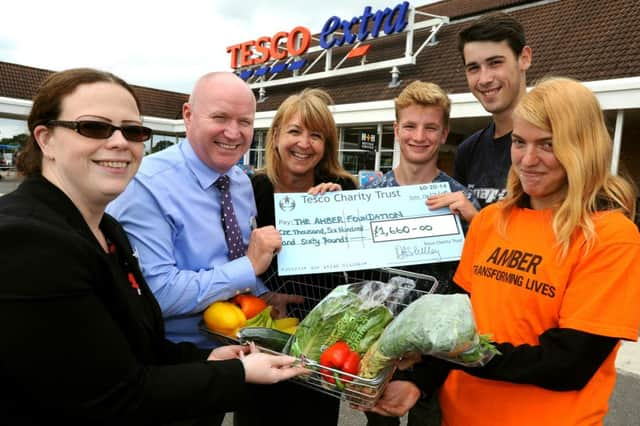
436, 324
354, 313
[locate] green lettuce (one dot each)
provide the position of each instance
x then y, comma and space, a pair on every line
435, 324
341, 315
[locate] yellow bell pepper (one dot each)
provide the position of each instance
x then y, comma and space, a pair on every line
290, 330
284, 323
225, 318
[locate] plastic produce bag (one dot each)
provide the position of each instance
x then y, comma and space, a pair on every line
435, 324
355, 313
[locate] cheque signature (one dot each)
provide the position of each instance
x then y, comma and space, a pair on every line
406, 251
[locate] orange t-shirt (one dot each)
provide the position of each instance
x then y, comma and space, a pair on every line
519, 289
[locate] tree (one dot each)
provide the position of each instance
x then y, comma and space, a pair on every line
160, 145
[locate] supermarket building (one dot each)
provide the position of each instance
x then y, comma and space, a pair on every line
364, 69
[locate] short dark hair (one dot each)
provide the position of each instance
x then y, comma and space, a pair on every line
47, 105
495, 27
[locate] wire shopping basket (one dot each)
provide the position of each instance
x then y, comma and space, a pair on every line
314, 288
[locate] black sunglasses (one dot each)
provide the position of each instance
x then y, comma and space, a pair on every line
102, 130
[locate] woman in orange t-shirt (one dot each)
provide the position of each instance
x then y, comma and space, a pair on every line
551, 272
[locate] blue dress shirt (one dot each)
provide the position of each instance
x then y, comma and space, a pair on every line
171, 213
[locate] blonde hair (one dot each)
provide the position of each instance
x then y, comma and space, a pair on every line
313, 107
424, 94
582, 145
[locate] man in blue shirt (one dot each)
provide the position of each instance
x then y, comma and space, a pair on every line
171, 210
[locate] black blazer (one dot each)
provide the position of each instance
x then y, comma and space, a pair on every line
80, 344
312, 286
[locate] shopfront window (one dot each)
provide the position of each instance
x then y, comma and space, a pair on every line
9, 128
386, 148
256, 152
629, 148
386, 161
159, 142
13, 135
352, 156
388, 138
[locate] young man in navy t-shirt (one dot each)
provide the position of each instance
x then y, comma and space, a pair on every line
496, 59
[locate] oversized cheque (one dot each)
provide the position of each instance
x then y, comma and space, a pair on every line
365, 229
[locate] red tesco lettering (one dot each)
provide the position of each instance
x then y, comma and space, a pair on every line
262, 49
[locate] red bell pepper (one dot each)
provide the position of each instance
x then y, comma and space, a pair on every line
251, 305
340, 357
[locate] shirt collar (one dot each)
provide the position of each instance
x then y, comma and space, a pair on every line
203, 173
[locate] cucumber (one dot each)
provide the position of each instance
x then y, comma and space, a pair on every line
269, 338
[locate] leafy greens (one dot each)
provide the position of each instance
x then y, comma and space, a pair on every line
435, 324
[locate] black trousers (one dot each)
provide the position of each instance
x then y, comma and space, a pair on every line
213, 419
288, 403
424, 413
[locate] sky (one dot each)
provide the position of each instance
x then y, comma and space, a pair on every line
164, 44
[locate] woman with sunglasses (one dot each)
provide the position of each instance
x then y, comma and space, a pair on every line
82, 335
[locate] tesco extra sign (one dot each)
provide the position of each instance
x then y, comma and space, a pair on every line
335, 32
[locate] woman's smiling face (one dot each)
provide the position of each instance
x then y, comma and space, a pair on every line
300, 148
542, 176
92, 172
